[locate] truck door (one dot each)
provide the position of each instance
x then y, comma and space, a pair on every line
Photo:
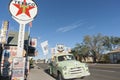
55, 66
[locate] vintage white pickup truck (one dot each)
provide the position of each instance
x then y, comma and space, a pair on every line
65, 66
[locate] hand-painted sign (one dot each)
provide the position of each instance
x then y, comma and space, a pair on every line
23, 10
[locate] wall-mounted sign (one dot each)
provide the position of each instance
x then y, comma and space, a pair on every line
4, 32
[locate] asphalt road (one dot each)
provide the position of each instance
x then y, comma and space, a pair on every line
98, 71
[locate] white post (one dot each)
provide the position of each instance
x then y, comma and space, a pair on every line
21, 40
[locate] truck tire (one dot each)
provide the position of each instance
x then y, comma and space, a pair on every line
60, 77
82, 77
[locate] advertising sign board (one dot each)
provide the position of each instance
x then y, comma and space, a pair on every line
4, 32
23, 11
18, 68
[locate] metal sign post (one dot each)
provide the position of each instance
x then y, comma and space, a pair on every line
22, 11
21, 40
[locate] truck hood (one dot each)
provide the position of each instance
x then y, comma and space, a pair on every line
71, 63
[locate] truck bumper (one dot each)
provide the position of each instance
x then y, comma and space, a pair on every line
73, 76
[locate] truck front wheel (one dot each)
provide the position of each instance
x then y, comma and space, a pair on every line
60, 77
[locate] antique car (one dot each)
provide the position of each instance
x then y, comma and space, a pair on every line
65, 66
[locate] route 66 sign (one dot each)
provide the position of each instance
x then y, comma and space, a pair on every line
23, 10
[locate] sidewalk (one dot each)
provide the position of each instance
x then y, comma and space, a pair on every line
39, 74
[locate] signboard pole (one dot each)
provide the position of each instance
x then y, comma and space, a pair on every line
23, 11
21, 40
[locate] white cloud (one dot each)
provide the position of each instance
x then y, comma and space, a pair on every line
70, 27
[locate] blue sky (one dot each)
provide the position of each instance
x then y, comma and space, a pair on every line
68, 21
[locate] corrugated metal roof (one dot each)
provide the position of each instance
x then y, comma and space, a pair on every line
13, 38
114, 51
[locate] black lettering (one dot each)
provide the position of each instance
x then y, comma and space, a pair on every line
22, 3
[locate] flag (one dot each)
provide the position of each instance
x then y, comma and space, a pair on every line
30, 24
44, 46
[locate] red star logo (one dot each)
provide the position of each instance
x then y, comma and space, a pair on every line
23, 8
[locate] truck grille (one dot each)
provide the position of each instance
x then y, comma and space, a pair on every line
76, 70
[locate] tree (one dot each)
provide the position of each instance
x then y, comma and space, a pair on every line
106, 58
95, 45
115, 42
107, 43
81, 51
77, 51
84, 51
111, 43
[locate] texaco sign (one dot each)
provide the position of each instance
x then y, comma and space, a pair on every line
23, 10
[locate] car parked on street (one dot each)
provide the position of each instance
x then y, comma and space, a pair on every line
65, 66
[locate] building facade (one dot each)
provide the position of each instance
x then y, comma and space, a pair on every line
114, 56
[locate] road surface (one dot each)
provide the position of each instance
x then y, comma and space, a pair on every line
98, 71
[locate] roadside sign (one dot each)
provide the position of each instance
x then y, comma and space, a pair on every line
23, 11
18, 68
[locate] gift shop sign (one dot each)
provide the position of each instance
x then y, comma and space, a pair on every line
23, 11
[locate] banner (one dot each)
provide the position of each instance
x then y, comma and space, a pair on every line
44, 46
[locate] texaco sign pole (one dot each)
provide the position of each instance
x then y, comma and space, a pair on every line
23, 11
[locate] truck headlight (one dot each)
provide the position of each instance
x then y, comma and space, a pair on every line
86, 65
64, 68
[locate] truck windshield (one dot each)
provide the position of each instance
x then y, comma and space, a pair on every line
66, 57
